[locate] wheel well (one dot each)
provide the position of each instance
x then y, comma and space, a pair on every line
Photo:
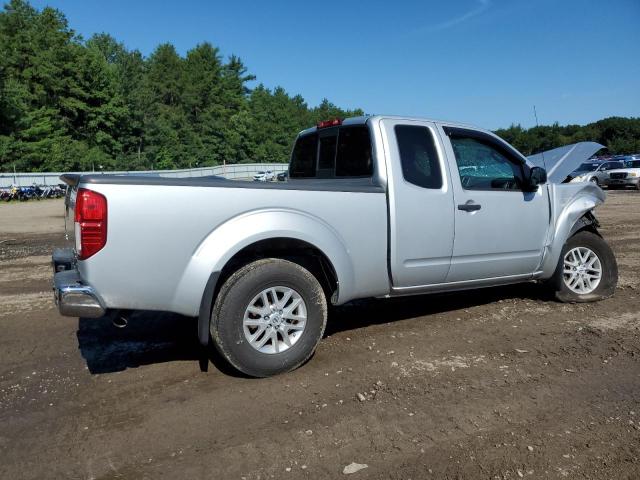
292, 249
587, 222
588, 228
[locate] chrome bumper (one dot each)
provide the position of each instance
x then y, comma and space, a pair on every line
626, 182
73, 298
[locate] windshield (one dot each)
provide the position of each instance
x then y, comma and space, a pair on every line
587, 167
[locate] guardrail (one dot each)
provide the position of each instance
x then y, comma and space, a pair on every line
234, 171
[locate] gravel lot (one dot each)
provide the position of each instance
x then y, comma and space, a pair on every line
498, 383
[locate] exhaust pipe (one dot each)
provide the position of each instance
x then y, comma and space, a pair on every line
120, 319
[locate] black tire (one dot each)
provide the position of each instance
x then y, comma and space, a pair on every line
235, 296
594, 180
609, 279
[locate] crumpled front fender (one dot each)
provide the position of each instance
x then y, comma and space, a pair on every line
569, 203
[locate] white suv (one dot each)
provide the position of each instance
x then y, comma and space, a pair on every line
629, 176
264, 176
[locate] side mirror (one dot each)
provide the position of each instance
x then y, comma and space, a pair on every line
537, 176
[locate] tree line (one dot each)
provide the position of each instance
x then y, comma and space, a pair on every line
620, 135
67, 103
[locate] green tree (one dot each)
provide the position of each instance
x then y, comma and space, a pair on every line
67, 104
619, 135
164, 121
203, 97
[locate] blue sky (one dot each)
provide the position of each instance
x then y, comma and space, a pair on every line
486, 62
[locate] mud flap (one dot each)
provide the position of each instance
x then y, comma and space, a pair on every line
204, 319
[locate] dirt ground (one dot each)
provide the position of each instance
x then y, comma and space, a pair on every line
500, 383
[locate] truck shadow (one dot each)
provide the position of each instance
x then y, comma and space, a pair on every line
149, 338
362, 313
158, 337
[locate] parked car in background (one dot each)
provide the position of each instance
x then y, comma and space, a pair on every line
623, 158
596, 172
629, 176
375, 206
282, 176
264, 176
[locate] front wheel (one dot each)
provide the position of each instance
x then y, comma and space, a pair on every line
269, 317
587, 270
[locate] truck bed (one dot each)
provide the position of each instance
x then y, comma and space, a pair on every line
167, 235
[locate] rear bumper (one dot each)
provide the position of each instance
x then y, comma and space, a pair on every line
63, 259
73, 297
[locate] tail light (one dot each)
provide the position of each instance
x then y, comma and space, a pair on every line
90, 223
330, 123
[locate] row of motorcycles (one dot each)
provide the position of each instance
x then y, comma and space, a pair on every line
34, 192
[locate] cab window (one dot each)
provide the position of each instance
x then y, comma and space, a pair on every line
338, 152
354, 152
303, 158
418, 156
327, 155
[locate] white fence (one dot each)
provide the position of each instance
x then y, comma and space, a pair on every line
235, 171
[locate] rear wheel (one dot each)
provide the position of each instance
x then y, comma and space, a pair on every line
587, 270
269, 317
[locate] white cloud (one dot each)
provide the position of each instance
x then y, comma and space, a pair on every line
480, 7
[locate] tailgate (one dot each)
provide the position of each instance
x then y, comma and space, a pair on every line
72, 181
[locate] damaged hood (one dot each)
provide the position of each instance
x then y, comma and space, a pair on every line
560, 162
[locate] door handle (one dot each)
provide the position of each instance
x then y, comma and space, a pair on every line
469, 206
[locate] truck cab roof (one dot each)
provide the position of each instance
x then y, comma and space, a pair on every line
363, 119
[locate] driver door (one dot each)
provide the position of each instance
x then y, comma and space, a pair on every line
499, 229
602, 173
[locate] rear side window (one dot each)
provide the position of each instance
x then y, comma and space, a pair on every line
354, 153
342, 152
303, 159
418, 156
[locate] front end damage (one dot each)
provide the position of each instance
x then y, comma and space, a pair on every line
571, 209
571, 204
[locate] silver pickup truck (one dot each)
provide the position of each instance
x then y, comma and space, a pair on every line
375, 206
